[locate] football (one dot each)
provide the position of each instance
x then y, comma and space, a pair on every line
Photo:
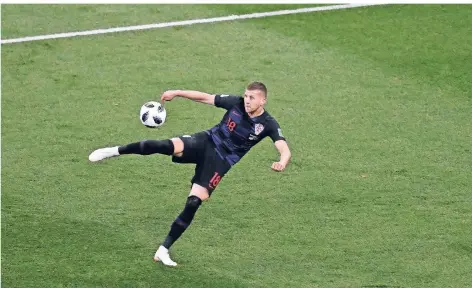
152, 114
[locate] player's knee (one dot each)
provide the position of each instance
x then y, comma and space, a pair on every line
179, 154
199, 191
191, 207
178, 146
193, 202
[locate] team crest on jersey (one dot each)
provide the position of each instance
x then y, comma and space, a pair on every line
258, 128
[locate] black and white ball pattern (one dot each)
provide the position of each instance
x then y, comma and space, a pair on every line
152, 114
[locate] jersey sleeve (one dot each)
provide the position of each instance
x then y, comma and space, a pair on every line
227, 101
275, 132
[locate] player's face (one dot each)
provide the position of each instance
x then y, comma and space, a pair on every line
254, 100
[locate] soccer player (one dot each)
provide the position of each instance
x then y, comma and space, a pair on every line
214, 151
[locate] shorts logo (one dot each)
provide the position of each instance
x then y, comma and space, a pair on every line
258, 128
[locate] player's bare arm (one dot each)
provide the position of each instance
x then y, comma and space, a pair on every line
196, 96
285, 155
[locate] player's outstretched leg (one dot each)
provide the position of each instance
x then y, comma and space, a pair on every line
146, 147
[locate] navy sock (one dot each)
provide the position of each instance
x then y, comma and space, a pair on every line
148, 147
182, 221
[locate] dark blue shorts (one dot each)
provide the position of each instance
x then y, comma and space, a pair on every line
210, 168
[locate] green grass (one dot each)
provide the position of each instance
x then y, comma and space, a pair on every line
375, 103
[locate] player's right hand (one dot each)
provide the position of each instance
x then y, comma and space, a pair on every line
168, 95
278, 166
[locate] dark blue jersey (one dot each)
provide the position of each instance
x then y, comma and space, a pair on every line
237, 133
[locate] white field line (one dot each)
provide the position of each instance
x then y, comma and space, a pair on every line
182, 23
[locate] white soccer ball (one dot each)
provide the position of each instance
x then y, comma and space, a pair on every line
152, 114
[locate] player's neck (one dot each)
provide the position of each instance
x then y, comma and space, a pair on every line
256, 113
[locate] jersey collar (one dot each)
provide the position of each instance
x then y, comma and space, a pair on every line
256, 119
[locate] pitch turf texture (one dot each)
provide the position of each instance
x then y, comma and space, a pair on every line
375, 103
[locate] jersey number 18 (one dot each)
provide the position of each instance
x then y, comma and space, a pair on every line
230, 124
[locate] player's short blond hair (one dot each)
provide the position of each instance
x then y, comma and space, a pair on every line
258, 86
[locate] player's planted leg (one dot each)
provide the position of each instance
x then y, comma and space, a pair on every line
146, 147
177, 228
182, 221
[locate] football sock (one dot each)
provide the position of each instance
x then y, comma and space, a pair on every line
148, 147
182, 221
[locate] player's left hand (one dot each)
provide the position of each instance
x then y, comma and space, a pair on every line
277, 166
